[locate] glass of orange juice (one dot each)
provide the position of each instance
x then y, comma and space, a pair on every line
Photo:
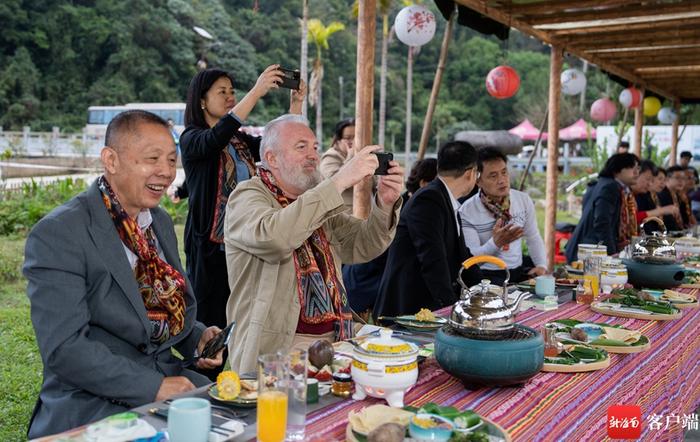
273, 371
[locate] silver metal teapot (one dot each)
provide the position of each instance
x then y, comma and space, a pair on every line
654, 248
483, 309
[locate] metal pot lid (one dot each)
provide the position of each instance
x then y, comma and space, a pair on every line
483, 303
386, 346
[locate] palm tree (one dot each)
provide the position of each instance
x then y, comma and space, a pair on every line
319, 34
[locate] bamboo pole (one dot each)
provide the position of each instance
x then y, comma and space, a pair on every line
623, 128
550, 216
409, 108
639, 125
304, 62
674, 133
534, 151
364, 98
427, 123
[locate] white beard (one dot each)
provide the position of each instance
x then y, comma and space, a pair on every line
297, 177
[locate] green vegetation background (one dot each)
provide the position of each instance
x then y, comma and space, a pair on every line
58, 57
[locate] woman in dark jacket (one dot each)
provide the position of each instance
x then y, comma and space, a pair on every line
216, 156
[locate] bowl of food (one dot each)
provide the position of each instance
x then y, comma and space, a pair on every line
425, 426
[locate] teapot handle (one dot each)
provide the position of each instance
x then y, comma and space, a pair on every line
484, 259
659, 221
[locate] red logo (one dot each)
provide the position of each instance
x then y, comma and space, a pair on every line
624, 422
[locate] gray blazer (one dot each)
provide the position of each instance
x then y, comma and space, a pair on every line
90, 321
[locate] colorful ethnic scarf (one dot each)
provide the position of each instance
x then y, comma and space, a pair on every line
226, 182
687, 209
162, 287
655, 198
321, 292
676, 202
498, 210
628, 219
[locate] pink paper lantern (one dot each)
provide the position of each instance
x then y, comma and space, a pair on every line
603, 109
502, 82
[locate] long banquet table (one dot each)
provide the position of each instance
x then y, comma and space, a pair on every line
664, 381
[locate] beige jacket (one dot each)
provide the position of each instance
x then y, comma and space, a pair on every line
260, 237
331, 161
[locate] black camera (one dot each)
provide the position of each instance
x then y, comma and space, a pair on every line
290, 79
384, 158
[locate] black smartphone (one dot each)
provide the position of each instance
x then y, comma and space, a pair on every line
290, 79
384, 158
218, 342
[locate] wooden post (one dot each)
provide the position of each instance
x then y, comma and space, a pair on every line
550, 216
674, 132
639, 125
436, 85
409, 109
364, 98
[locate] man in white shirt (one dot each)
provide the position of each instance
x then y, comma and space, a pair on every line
495, 220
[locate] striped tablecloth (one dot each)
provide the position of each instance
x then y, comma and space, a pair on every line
663, 381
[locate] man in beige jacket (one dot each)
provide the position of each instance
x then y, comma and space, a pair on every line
286, 236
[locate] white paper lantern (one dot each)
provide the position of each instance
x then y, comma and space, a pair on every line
573, 82
666, 115
630, 98
415, 25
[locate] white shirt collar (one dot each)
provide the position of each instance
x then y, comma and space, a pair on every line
144, 219
455, 203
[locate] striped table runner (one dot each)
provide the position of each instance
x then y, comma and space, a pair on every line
664, 381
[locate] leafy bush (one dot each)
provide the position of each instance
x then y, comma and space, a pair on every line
177, 211
21, 209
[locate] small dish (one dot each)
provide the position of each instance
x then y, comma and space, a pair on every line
425, 426
411, 323
239, 401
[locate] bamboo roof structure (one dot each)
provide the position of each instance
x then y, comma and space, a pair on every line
654, 44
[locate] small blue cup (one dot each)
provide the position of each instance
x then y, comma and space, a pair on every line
544, 286
189, 420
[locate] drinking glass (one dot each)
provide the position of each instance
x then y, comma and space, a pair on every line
591, 273
296, 386
273, 372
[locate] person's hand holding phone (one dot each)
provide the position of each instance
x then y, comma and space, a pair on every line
209, 363
390, 185
504, 234
297, 98
270, 78
360, 166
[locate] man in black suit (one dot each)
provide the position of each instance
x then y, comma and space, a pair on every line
428, 249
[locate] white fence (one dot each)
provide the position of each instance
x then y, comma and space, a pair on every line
52, 143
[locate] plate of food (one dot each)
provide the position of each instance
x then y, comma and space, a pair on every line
577, 358
612, 338
380, 422
637, 304
691, 279
424, 320
566, 282
676, 298
244, 394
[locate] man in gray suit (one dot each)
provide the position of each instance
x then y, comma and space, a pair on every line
109, 298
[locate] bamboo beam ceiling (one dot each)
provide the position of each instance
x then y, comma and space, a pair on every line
654, 44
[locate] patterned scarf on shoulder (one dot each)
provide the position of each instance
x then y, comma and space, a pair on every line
677, 202
321, 292
161, 286
628, 219
687, 209
498, 210
226, 182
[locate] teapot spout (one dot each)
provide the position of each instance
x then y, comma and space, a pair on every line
516, 305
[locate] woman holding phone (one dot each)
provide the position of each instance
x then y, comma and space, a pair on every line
217, 156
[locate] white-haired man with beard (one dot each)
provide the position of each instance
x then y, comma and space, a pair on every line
286, 235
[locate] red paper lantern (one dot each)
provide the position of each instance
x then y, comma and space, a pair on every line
630, 98
603, 109
502, 82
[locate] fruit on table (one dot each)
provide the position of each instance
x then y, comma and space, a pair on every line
228, 385
321, 353
389, 432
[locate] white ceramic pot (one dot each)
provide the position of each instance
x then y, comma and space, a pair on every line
384, 368
613, 274
586, 250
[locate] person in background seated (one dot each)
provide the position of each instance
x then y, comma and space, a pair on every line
109, 298
645, 195
496, 219
341, 150
673, 194
362, 280
286, 235
623, 147
428, 251
685, 159
610, 213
